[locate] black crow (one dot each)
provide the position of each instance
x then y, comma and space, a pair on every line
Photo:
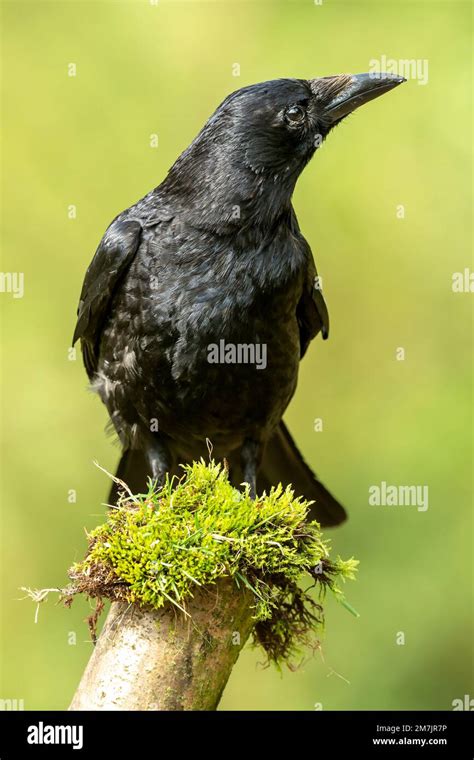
202, 297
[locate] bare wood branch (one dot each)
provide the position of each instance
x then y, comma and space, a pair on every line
164, 660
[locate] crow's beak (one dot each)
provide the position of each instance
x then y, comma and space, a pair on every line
343, 94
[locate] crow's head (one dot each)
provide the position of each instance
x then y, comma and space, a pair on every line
279, 124
253, 148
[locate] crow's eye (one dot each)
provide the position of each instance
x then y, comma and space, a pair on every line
294, 115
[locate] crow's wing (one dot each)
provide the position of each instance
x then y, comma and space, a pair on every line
311, 312
112, 258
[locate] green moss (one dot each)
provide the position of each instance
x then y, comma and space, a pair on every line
157, 547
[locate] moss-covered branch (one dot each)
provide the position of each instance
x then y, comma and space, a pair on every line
192, 570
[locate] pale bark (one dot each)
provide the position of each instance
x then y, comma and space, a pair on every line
163, 660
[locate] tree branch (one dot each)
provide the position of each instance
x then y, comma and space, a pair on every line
165, 660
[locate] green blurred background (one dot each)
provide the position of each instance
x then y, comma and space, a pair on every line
85, 141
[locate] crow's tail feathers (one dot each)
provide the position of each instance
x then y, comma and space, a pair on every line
282, 462
133, 470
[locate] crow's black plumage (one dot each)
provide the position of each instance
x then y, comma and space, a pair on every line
214, 256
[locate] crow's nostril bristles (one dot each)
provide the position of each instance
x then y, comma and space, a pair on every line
327, 88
